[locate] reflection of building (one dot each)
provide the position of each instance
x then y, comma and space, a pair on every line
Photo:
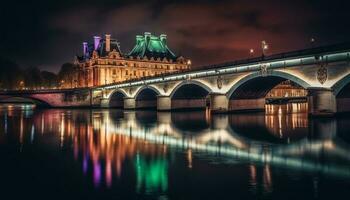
103, 62
287, 89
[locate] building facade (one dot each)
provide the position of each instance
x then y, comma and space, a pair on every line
103, 62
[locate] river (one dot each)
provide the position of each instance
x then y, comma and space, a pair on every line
116, 154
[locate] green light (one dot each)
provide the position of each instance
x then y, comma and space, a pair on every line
151, 175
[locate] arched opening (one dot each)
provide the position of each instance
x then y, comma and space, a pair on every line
189, 96
24, 100
146, 99
117, 100
256, 92
343, 97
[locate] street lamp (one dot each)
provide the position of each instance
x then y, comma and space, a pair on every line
264, 47
312, 41
62, 82
21, 85
251, 52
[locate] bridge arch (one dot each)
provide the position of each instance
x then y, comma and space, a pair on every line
25, 99
341, 85
190, 94
341, 91
190, 82
146, 97
277, 74
250, 91
116, 98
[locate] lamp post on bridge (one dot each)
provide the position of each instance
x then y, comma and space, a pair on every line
312, 41
251, 53
264, 47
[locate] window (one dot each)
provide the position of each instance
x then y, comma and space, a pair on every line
114, 71
126, 72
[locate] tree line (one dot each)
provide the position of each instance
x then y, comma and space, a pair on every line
13, 77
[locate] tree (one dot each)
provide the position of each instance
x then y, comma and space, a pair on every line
49, 79
32, 78
68, 74
10, 74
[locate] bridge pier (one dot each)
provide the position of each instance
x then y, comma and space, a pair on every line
105, 103
218, 103
163, 103
247, 104
321, 102
129, 103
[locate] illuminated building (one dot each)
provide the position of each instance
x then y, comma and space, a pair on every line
287, 89
103, 62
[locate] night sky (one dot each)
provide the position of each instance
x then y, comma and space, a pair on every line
47, 33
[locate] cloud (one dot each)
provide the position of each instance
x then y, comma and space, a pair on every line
205, 31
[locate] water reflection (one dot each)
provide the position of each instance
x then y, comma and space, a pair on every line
114, 145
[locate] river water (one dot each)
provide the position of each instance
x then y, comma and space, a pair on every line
115, 154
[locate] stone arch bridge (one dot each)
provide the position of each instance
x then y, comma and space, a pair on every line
234, 86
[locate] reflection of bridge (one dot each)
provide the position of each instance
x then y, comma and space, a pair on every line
241, 85
222, 140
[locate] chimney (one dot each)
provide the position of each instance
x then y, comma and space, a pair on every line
147, 36
96, 42
139, 38
85, 48
108, 42
163, 38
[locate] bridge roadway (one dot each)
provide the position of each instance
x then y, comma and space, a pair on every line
234, 86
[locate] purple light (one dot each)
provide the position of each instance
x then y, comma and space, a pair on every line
85, 164
96, 42
97, 174
85, 48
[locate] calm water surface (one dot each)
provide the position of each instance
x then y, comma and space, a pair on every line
115, 154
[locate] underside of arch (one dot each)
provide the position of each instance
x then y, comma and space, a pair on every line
116, 99
24, 100
146, 98
190, 96
249, 93
341, 90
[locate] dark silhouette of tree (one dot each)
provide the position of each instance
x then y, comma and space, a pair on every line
32, 78
10, 74
68, 75
49, 79
12, 77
